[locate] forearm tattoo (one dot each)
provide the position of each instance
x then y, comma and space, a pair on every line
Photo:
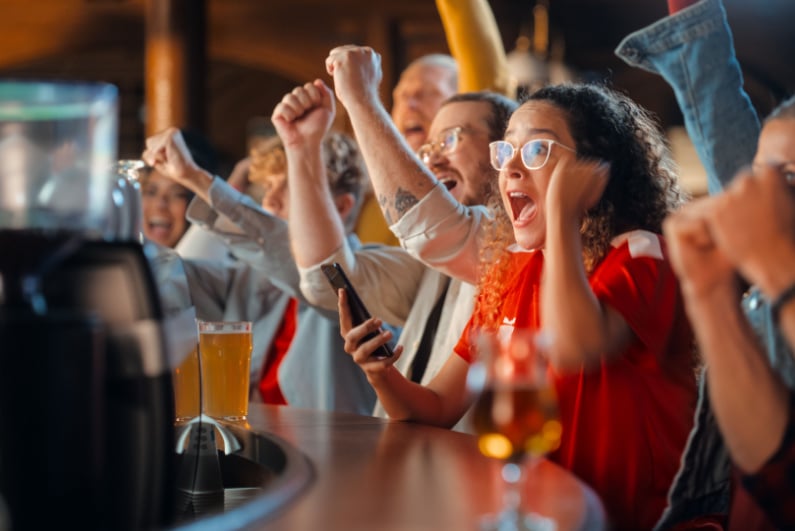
382, 201
404, 200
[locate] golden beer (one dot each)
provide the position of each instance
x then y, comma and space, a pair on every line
186, 387
225, 357
514, 421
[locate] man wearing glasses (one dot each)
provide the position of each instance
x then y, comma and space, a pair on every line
415, 198
455, 160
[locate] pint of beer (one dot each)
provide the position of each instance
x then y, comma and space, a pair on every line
186, 387
224, 358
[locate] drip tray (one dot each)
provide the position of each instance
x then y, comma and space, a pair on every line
261, 474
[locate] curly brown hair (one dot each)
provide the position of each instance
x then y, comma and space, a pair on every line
642, 189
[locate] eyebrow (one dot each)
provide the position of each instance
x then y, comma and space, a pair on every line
446, 129
534, 131
778, 165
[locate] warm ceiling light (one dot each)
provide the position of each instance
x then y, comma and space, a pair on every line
531, 63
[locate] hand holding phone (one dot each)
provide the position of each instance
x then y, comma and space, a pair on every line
359, 314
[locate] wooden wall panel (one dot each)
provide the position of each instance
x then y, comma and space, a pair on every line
45, 28
257, 50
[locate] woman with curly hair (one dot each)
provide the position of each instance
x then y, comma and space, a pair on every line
585, 181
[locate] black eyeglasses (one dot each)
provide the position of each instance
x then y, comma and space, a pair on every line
447, 143
535, 153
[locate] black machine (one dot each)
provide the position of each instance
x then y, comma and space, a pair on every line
86, 403
86, 400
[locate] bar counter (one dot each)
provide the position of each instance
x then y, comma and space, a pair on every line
371, 473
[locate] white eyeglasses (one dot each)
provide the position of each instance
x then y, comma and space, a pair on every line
535, 153
447, 143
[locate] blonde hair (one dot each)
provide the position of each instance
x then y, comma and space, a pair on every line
345, 167
267, 157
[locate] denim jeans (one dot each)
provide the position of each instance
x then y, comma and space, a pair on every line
693, 51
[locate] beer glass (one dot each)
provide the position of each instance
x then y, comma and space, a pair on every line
186, 387
224, 359
515, 415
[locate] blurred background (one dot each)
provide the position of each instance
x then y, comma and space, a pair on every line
230, 61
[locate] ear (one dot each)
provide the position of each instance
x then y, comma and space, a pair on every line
344, 203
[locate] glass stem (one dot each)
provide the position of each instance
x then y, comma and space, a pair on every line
513, 474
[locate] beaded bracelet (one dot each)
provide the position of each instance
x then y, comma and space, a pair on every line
784, 297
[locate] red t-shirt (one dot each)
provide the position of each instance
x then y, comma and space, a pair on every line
626, 422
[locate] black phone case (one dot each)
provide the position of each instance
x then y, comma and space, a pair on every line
359, 314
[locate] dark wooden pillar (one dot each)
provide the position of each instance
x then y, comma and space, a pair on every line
380, 35
175, 64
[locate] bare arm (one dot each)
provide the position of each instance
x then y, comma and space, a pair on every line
441, 403
709, 240
399, 178
302, 119
749, 400
753, 223
583, 328
317, 233
168, 154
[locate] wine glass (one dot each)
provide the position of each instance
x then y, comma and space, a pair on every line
127, 199
515, 416
130, 168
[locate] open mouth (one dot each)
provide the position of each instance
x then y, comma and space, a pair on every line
159, 223
159, 227
449, 183
523, 208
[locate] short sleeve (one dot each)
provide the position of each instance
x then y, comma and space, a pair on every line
636, 280
464, 346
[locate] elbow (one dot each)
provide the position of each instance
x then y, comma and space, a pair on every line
325, 299
563, 364
569, 358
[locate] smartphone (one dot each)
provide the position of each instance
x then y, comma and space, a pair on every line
359, 314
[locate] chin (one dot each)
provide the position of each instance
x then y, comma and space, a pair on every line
528, 239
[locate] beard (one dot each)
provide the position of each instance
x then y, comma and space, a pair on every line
485, 187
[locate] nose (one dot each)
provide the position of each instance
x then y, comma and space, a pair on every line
161, 201
272, 202
411, 99
436, 157
514, 169
275, 201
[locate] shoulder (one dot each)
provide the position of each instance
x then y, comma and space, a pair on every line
638, 260
639, 244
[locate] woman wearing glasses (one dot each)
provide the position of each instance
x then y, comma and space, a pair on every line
585, 181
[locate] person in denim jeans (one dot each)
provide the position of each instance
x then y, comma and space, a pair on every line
693, 51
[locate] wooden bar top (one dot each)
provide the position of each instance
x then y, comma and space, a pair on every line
372, 473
